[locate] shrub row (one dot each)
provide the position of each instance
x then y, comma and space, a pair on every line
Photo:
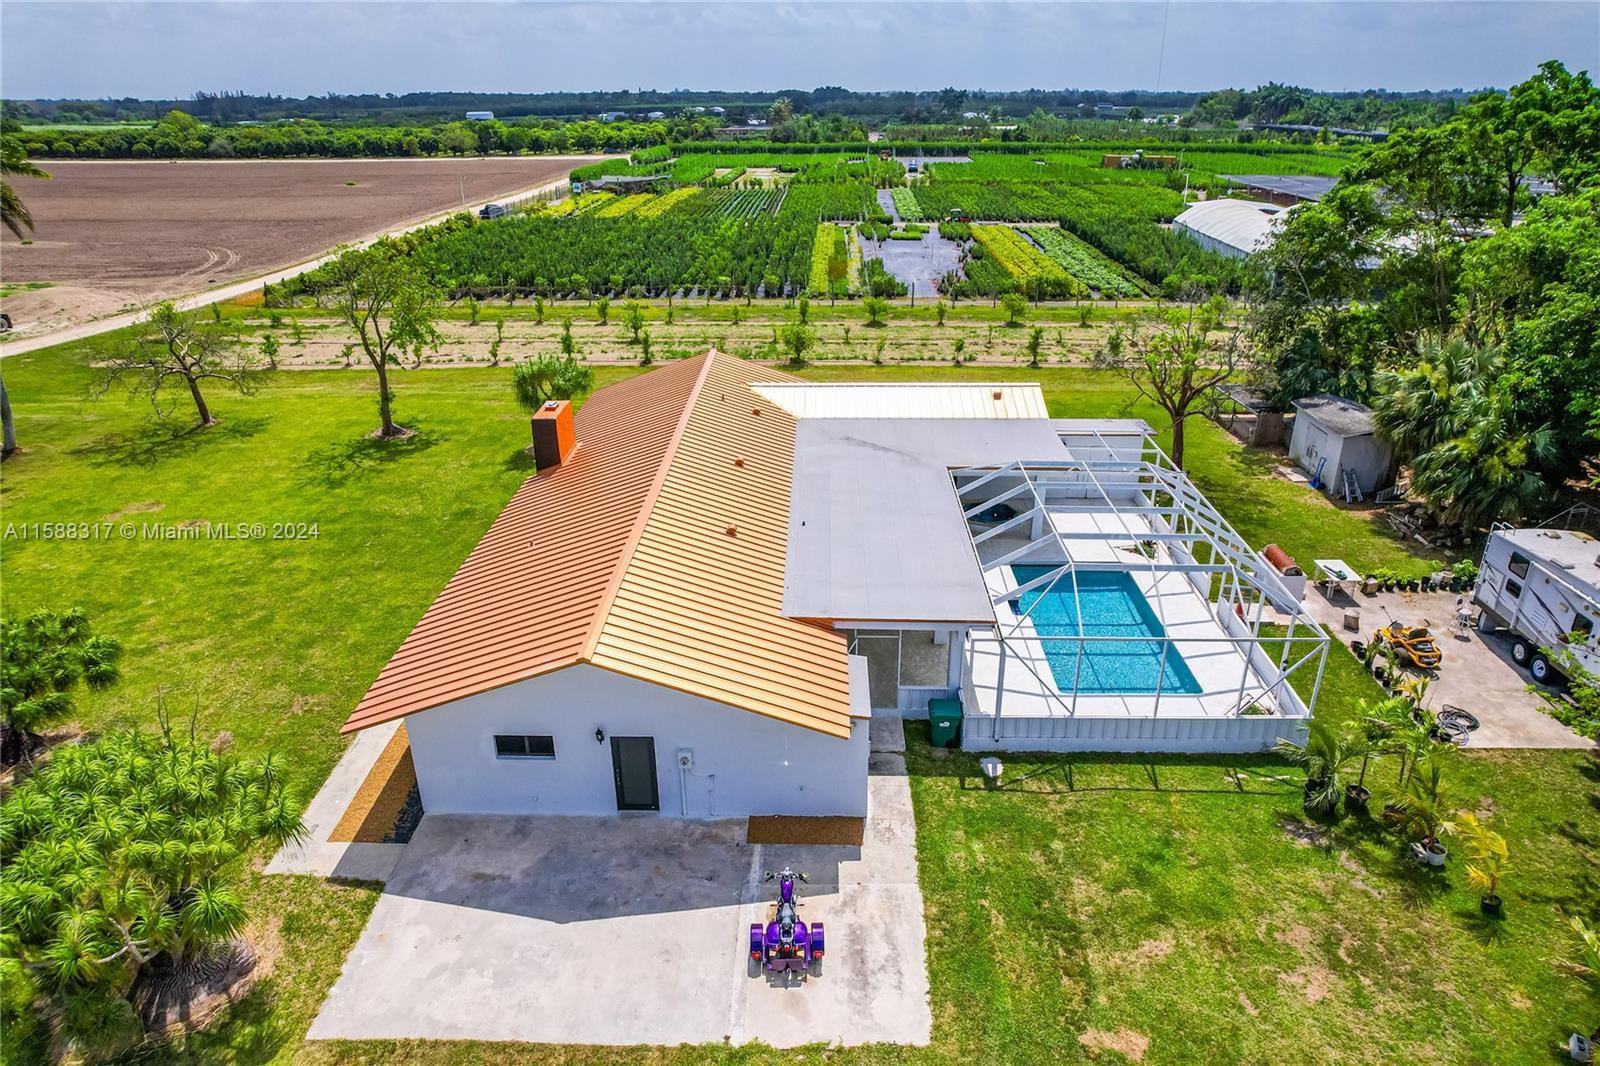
1083, 262
1033, 272
905, 202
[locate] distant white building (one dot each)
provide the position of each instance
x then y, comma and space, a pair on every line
1234, 228
479, 116
613, 116
656, 114
719, 111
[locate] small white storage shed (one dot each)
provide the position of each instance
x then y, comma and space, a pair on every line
1334, 437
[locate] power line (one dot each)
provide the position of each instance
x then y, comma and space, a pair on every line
1161, 58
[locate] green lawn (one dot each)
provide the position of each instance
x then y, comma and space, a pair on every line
1108, 893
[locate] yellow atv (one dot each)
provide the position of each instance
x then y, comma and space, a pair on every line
1412, 644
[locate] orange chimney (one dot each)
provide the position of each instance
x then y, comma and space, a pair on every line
553, 435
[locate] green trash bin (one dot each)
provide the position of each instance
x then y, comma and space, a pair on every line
944, 720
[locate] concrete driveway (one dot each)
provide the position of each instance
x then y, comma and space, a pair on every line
633, 930
1475, 669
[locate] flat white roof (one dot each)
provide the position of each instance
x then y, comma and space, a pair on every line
898, 400
1574, 553
875, 530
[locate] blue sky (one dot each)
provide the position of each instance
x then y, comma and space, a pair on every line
172, 49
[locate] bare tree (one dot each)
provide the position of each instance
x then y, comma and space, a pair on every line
1176, 363
392, 308
175, 344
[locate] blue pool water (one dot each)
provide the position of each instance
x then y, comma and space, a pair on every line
1112, 606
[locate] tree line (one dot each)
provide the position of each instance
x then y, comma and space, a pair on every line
182, 136
1452, 279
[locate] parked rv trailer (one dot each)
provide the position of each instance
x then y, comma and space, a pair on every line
1543, 585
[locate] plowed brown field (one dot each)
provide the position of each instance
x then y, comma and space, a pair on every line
113, 234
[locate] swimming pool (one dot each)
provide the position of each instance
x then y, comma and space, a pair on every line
1113, 606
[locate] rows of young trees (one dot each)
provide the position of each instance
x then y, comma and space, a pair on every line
1122, 221
718, 242
1433, 283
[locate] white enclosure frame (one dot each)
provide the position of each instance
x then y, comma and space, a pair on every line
1177, 530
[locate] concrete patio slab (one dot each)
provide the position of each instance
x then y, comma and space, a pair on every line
632, 930
1475, 673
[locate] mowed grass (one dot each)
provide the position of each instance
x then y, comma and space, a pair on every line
1189, 903
1104, 902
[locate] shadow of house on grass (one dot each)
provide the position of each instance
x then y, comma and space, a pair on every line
158, 440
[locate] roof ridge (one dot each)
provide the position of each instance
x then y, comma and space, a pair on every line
619, 571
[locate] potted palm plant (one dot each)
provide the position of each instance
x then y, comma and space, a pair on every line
1423, 812
1585, 967
1370, 740
1325, 756
1490, 860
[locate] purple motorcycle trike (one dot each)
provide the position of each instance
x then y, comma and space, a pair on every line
786, 944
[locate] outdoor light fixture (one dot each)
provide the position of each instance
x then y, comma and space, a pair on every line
599, 735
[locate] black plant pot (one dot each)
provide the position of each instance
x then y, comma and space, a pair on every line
1491, 905
1356, 797
1311, 806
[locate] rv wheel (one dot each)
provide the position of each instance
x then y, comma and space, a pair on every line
1521, 652
1542, 671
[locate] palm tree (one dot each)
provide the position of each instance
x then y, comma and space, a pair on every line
1489, 473
1327, 753
1423, 809
127, 850
43, 657
1420, 407
1394, 726
1586, 966
1490, 858
14, 214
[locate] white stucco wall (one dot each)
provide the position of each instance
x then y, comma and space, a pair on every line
743, 763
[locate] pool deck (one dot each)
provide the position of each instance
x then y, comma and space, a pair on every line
1031, 690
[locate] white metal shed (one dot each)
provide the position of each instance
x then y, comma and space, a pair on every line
1333, 436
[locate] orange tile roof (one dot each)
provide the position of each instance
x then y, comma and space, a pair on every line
656, 551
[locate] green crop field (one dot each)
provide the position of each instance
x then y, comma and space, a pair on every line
740, 222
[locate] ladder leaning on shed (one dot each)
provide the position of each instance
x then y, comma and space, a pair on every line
1352, 487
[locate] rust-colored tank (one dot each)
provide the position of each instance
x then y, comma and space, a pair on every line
1281, 561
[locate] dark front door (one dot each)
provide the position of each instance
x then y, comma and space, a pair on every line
633, 762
